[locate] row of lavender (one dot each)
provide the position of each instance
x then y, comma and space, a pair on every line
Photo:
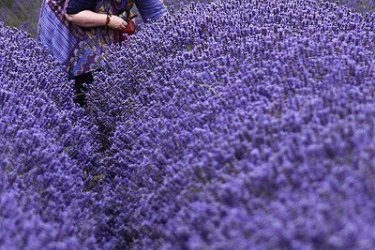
362, 6
46, 152
253, 130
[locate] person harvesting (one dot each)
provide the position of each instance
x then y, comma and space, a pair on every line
76, 32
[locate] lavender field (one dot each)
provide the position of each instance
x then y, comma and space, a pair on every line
254, 130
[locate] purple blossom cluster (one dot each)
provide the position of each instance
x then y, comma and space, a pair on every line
253, 130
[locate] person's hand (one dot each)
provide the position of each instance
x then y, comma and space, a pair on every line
117, 23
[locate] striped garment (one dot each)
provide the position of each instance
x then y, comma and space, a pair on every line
81, 50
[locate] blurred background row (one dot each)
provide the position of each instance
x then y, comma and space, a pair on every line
24, 14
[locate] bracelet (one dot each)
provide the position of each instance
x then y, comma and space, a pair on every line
108, 19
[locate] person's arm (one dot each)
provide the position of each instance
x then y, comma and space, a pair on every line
88, 18
151, 10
